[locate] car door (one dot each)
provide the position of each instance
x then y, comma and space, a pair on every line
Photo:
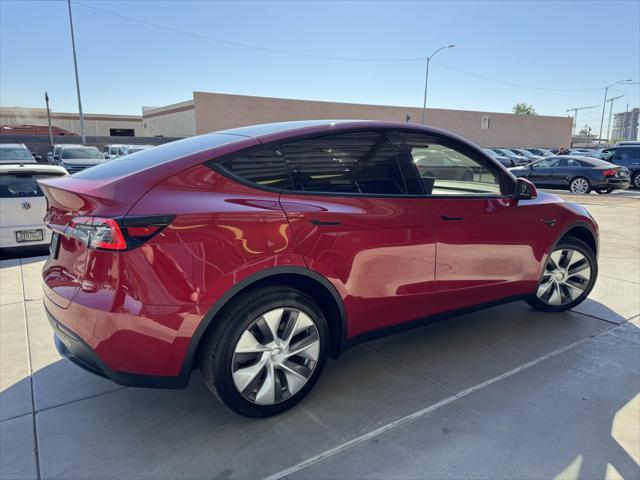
359, 218
488, 244
543, 172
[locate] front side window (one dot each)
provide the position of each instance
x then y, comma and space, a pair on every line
548, 163
445, 169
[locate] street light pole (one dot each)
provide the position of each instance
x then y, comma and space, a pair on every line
75, 64
426, 80
46, 99
604, 105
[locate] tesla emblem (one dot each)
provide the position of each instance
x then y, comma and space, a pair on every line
26, 205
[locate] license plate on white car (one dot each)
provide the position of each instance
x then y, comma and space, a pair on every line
23, 236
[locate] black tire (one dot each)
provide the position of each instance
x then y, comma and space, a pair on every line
217, 348
603, 191
582, 247
588, 189
635, 180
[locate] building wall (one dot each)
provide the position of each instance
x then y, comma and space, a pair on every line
215, 111
176, 120
94, 124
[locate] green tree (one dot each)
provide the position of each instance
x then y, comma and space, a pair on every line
524, 109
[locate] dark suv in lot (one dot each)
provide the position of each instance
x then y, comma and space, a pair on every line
627, 156
256, 253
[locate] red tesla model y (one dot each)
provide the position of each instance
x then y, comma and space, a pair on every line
255, 253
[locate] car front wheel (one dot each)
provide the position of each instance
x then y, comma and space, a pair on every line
635, 181
568, 277
267, 352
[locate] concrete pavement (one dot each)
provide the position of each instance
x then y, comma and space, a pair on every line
502, 393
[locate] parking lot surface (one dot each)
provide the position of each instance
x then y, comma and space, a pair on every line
506, 392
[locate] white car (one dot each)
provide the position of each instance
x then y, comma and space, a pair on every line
22, 204
112, 151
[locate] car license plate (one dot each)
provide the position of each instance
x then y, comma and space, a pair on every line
23, 236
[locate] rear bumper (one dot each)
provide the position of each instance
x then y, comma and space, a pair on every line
72, 347
618, 184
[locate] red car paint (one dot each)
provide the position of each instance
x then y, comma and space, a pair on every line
391, 260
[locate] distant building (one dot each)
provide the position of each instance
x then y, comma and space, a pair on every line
625, 125
207, 112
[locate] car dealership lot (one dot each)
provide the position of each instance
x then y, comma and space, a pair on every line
501, 393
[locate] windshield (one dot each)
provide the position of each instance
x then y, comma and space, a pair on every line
15, 154
81, 153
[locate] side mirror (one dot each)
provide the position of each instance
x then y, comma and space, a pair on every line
525, 189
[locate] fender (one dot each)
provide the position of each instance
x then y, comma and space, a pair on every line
187, 364
563, 232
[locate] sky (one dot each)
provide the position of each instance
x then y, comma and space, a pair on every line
569, 51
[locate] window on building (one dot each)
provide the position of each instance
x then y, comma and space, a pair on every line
122, 132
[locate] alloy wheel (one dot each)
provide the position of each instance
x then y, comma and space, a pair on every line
275, 356
566, 276
636, 180
579, 185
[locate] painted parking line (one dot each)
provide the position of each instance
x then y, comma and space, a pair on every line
425, 411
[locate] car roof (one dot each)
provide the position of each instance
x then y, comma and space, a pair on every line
596, 162
78, 146
30, 168
13, 145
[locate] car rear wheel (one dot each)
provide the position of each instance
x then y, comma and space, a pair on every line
580, 185
635, 181
267, 352
568, 277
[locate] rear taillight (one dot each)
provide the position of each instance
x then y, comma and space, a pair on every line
115, 234
610, 173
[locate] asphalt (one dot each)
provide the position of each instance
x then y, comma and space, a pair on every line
501, 393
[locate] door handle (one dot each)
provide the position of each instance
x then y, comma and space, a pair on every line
323, 224
450, 219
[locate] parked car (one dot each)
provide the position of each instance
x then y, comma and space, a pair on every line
22, 203
517, 158
257, 252
542, 152
112, 151
129, 149
526, 153
15, 153
76, 158
503, 159
56, 150
578, 174
627, 156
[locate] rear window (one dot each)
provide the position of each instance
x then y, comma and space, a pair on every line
159, 155
18, 185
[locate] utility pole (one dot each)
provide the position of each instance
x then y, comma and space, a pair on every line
426, 79
611, 100
75, 64
575, 116
46, 99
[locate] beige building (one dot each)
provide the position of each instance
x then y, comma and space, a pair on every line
97, 125
208, 112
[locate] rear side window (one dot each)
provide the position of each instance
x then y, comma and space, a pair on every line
359, 162
19, 185
363, 163
265, 167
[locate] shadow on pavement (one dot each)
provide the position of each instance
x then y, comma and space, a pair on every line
538, 421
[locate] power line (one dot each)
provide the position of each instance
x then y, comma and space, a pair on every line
324, 57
